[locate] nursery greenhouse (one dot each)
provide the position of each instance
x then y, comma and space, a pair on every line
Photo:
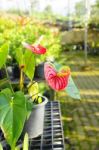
49, 74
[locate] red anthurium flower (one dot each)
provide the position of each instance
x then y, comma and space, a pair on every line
37, 49
56, 80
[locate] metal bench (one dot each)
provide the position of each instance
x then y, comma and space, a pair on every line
52, 137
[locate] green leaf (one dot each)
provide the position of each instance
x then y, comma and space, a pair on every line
7, 93
28, 60
1, 148
19, 56
72, 90
3, 54
17, 148
57, 66
39, 100
12, 115
26, 142
29, 64
33, 90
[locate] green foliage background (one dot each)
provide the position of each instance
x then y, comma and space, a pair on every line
14, 33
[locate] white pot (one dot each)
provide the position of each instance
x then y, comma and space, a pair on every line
34, 125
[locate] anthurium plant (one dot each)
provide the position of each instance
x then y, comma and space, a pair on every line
14, 106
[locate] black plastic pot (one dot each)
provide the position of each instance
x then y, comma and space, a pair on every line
13, 71
16, 71
39, 71
34, 125
2, 73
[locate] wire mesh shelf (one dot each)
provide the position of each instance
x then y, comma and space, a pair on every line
52, 137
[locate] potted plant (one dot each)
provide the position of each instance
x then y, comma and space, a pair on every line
20, 111
16, 105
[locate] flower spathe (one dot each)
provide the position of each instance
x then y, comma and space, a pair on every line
37, 49
56, 80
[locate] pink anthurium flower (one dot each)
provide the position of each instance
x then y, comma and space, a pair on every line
56, 80
37, 49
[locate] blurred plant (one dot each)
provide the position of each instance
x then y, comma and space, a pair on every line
16, 30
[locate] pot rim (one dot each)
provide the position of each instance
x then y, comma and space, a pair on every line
43, 102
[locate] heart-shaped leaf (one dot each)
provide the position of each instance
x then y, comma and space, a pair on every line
29, 64
12, 115
28, 60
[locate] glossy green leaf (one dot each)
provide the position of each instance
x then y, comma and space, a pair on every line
72, 90
29, 69
12, 115
3, 54
26, 142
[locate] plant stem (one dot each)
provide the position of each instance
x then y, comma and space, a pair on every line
21, 79
8, 79
12, 147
